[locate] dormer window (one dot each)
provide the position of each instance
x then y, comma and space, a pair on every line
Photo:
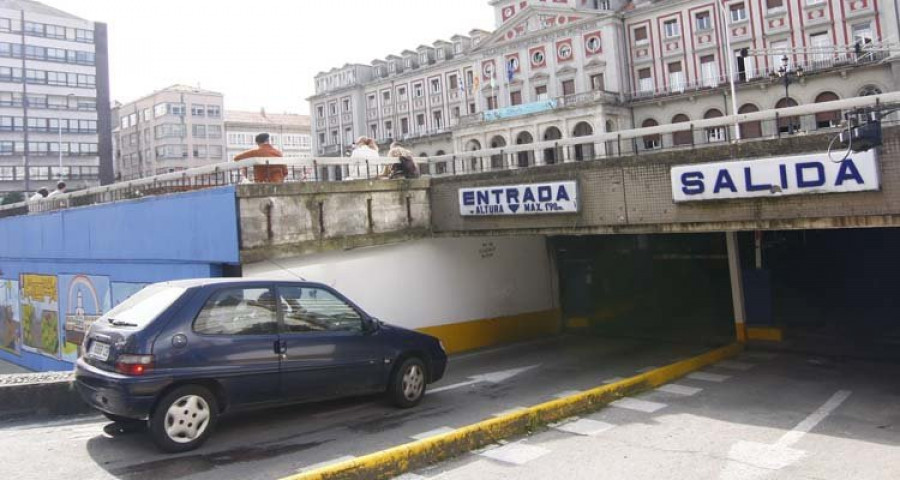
423, 58
440, 54
409, 63
458, 47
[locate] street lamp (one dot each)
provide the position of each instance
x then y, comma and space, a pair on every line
788, 75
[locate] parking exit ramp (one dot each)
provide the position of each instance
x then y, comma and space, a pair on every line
415, 455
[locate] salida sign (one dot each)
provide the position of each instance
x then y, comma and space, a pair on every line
771, 177
532, 199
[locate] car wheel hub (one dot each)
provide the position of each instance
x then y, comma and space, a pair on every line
413, 382
187, 419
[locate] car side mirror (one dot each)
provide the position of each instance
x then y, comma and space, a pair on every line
371, 325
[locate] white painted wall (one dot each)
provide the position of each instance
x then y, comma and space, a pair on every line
433, 282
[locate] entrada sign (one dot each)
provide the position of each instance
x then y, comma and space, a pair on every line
773, 177
532, 199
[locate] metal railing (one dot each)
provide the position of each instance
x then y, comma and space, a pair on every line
814, 62
808, 119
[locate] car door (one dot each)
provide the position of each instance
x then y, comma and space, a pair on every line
327, 351
235, 341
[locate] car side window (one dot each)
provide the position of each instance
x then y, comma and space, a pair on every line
310, 309
238, 311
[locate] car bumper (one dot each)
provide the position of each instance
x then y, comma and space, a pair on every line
110, 392
438, 367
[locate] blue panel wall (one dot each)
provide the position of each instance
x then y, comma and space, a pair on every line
125, 245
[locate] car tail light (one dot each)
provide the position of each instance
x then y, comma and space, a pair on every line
134, 365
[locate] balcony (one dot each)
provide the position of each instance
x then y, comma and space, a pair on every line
568, 101
815, 62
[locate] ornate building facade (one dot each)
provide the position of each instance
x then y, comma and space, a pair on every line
555, 69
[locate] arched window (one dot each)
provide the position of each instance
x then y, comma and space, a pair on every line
524, 158
497, 159
828, 119
552, 155
714, 134
583, 151
788, 124
869, 90
682, 137
750, 129
651, 142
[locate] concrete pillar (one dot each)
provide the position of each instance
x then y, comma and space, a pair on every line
737, 286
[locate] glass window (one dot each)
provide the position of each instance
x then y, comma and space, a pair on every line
704, 21
198, 110
199, 131
672, 29
144, 306
640, 35
160, 109
214, 131
213, 111
738, 12
773, 5
317, 310
238, 311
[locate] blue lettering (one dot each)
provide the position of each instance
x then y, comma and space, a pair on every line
545, 194
512, 195
468, 198
562, 194
782, 169
748, 179
819, 181
848, 171
692, 183
529, 196
484, 198
497, 193
724, 181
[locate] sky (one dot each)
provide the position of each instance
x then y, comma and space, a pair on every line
262, 53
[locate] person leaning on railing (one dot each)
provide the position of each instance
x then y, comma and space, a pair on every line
268, 173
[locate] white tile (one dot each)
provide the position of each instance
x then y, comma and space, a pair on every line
586, 427
433, 433
679, 389
734, 365
639, 405
511, 410
648, 369
515, 453
567, 393
327, 463
708, 377
409, 476
613, 380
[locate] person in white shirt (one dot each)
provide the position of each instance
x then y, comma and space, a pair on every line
39, 195
60, 188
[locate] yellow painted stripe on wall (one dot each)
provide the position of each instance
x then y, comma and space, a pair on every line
769, 334
461, 337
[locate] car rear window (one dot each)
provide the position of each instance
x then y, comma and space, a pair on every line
143, 307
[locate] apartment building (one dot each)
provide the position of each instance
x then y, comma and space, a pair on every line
290, 133
54, 99
555, 69
172, 129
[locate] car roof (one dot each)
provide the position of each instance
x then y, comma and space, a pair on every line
204, 282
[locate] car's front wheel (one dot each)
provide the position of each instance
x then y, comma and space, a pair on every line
184, 419
408, 383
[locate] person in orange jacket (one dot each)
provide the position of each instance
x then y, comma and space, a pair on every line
272, 173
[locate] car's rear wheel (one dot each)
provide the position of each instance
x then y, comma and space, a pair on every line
407, 386
184, 419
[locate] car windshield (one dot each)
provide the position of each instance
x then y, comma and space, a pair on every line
144, 306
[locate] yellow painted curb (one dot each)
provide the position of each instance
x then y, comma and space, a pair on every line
401, 459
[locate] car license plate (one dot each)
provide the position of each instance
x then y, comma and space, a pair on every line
99, 350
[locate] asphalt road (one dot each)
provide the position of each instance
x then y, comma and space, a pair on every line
757, 418
275, 443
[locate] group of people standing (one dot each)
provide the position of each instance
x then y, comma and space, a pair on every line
43, 192
367, 148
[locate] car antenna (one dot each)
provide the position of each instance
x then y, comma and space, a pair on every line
289, 271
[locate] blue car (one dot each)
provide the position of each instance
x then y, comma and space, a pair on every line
177, 355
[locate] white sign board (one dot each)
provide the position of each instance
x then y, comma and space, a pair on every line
775, 177
531, 199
